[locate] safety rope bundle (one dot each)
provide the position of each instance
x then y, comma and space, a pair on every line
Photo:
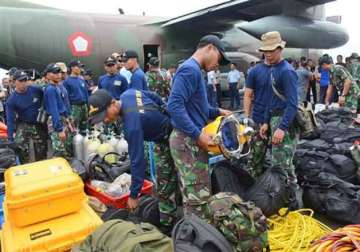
341, 240
295, 231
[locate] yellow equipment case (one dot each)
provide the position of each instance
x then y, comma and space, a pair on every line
55, 235
41, 191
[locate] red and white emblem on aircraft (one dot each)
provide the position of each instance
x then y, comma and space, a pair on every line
80, 44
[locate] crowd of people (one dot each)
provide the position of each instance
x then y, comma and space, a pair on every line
171, 107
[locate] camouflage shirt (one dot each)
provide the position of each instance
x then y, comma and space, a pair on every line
338, 75
158, 83
355, 70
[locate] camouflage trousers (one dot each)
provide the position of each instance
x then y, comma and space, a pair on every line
282, 154
258, 153
35, 132
351, 100
191, 163
60, 148
79, 116
167, 183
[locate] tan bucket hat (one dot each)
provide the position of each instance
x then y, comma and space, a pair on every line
271, 41
62, 66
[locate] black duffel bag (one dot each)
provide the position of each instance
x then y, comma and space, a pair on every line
311, 163
337, 135
270, 192
333, 197
7, 160
99, 169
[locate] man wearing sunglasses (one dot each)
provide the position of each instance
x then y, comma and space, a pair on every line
112, 81
22, 109
59, 127
282, 106
190, 112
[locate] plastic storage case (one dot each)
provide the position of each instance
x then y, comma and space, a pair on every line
55, 235
119, 202
41, 191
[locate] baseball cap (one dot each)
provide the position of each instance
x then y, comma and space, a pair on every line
215, 41
21, 75
354, 55
98, 103
52, 68
129, 54
154, 61
325, 59
271, 41
76, 63
33, 74
88, 72
110, 61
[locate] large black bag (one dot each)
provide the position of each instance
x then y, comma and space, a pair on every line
311, 163
79, 168
192, 234
270, 192
227, 177
337, 135
147, 211
337, 115
101, 170
333, 197
7, 160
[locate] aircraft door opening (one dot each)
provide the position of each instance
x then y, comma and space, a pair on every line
150, 51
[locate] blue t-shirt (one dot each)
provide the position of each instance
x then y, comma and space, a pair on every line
115, 84
77, 90
138, 80
55, 106
325, 77
286, 84
65, 96
260, 82
141, 125
24, 106
188, 104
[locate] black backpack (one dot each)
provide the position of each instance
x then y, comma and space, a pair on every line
7, 160
270, 192
333, 197
192, 234
338, 135
311, 163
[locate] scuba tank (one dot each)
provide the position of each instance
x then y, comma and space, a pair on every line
121, 146
78, 145
113, 141
92, 144
105, 148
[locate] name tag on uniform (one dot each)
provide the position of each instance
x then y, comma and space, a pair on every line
117, 83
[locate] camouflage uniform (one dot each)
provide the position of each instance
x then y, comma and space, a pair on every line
158, 83
191, 163
38, 134
61, 149
167, 183
354, 70
79, 116
258, 153
242, 224
338, 75
282, 154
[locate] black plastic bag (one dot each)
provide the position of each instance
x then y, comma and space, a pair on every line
333, 197
270, 192
79, 168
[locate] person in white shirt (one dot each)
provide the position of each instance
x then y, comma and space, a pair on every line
211, 88
234, 78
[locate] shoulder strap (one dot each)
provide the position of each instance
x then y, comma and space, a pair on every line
273, 83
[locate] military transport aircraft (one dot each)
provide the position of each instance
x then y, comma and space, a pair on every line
32, 35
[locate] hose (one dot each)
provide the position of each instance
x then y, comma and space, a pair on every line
295, 231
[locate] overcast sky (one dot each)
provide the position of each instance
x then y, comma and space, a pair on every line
348, 9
